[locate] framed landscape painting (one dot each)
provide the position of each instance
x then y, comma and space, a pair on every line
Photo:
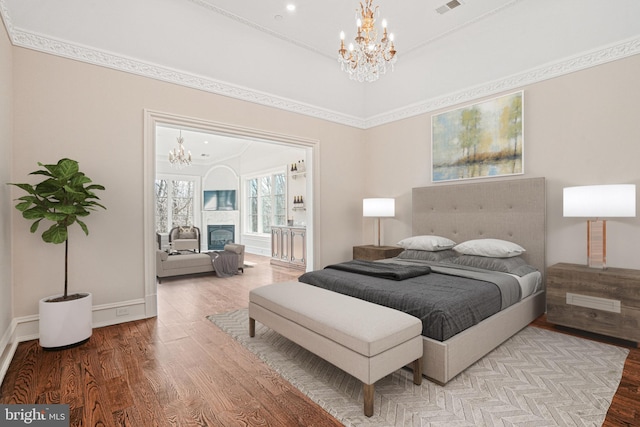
480, 140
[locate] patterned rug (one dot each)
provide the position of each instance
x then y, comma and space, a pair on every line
536, 378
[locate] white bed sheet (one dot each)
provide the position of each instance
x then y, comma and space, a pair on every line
529, 283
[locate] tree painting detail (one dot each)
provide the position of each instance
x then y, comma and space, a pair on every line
479, 140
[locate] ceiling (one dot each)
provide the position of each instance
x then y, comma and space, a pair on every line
261, 52
209, 149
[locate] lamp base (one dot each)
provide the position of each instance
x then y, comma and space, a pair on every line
597, 243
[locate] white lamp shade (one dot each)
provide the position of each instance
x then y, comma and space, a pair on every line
600, 201
379, 207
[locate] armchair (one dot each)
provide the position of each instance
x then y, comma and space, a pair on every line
185, 238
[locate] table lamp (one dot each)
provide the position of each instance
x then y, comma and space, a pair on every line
599, 201
378, 208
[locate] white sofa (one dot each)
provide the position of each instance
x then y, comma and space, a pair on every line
178, 265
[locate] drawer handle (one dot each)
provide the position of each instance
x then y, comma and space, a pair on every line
593, 302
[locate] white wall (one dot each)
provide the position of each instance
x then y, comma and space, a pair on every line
579, 129
6, 204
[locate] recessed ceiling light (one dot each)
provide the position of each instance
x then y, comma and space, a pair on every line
291, 7
206, 142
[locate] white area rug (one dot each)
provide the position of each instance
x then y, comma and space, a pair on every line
536, 378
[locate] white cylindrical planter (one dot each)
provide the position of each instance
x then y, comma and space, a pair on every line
65, 323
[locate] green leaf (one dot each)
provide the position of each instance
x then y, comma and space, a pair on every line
66, 209
34, 226
55, 216
23, 206
40, 172
79, 180
34, 213
72, 190
66, 168
83, 226
26, 187
55, 234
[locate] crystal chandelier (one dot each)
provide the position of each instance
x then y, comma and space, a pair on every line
177, 156
367, 59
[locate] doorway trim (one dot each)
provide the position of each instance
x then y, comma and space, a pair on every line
151, 120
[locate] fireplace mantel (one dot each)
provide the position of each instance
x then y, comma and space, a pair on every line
220, 220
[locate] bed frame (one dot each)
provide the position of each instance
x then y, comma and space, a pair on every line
511, 210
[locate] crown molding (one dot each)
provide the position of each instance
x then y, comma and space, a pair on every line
548, 71
101, 58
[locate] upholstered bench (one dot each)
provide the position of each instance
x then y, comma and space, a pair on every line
366, 340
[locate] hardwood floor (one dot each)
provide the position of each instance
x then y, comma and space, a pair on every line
180, 370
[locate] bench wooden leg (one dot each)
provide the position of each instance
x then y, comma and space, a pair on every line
252, 327
368, 391
417, 371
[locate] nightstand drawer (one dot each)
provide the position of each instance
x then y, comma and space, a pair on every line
601, 301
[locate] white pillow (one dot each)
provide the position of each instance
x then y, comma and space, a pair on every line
495, 248
427, 243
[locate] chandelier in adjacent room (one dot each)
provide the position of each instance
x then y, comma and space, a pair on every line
366, 59
177, 156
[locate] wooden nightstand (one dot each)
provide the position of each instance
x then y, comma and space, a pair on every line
372, 252
606, 302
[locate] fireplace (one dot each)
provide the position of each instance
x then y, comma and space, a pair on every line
220, 235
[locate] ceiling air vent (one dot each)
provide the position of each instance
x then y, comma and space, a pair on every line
448, 6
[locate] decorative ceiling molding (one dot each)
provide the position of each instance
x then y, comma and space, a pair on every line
121, 63
548, 71
93, 56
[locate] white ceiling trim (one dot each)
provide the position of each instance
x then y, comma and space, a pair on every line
548, 71
93, 56
122, 63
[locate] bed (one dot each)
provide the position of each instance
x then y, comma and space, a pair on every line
508, 210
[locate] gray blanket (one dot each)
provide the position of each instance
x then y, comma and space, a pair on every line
384, 270
447, 301
225, 263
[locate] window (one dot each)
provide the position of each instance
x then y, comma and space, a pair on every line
266, 202
175, 204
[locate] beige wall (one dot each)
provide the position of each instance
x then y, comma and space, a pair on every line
580, 129
95, 115
6, 65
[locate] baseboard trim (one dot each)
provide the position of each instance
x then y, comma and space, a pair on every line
8, 345
25, 328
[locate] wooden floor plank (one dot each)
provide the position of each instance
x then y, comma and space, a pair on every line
180, 369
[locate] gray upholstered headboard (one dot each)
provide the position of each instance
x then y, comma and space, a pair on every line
511, 210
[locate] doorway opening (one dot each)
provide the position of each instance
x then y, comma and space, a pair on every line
234, 156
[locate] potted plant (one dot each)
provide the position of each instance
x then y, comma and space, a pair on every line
63, 197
